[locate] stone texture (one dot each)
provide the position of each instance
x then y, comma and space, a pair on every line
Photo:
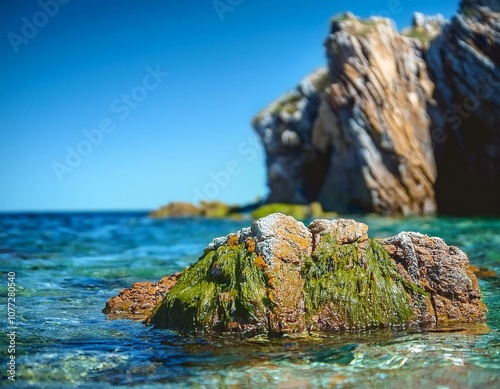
493, 5
429, 25
294, 173
441, 270
279, 277
341, 230
464, 63
138, 301
363, 143
275, 236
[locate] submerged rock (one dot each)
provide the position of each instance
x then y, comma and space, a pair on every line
280, 277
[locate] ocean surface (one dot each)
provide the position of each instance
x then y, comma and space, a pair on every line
67, 265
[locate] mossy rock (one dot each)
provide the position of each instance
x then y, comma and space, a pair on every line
297, 211
354, 286
279, 277
255, 281
175, 210
418, 33
209, 209
224, 291
288, 103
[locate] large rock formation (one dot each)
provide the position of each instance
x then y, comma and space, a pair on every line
358, 140
363, 136
375, 122
280, 277
464, 63
295, 169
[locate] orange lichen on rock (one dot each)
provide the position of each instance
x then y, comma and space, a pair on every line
233, 240
259, 262
250, 245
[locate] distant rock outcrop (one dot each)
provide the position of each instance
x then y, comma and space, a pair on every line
365, 135
209, 209
280, 277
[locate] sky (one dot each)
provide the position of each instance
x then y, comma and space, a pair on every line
130, 104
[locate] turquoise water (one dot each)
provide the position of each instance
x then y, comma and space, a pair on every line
67, 266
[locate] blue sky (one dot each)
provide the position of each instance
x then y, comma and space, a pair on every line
131, 104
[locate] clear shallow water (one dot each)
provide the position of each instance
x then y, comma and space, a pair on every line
68, 265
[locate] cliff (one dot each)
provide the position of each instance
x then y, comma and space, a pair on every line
464, 65
372, 131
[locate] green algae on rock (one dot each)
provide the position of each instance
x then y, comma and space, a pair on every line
353, 286
279, 277
223, 291
209, 209
297, 211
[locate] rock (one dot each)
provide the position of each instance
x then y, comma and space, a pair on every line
431, 25
284, 128
442, 271
342, 231
298, 211
376, 122
467, 5
464, 64
210, 209
175, 209
364, 141
274, 236
400, 123
279, 277
137, 302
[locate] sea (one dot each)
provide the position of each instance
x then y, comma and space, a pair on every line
61, 268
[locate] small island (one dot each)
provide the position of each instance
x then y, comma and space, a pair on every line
279, 277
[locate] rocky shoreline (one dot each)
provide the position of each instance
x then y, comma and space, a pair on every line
279, 277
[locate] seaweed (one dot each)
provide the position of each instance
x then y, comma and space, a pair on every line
341, 286
221, 292
357, 287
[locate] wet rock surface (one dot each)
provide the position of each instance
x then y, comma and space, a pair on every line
138, 301
280, 277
